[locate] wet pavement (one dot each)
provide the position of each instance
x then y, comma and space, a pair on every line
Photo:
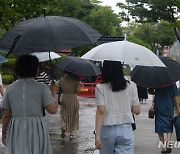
146, 141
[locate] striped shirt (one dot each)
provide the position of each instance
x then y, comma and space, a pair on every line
43, 78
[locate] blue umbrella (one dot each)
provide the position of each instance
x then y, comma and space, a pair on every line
2, 59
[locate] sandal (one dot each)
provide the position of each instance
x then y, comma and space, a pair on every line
71, 137
163, 150
63, 131
168, 150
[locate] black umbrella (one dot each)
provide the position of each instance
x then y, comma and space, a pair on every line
49, 33
157, 77
79, 66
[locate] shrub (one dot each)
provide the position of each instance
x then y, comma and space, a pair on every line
7, 79
7, 67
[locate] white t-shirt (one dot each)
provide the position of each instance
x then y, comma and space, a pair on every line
117, 104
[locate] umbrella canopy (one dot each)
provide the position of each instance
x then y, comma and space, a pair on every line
44, 56
2, 59
49, 33
77, 65
175, 51
126, 52
157, 77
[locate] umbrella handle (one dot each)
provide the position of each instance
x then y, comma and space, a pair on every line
51, 67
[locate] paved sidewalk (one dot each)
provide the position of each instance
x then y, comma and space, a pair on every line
146, 141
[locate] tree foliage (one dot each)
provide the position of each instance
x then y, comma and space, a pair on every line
13, 12
152, 10
104, 20
101, 18
151, 34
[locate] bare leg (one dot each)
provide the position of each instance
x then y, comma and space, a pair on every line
63, 125
161, 138
169, 135
168, 149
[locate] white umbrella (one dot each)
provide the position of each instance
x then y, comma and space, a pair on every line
44, 56
126, 52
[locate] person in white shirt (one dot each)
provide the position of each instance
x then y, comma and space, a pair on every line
116, 100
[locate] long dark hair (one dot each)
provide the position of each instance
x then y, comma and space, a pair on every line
112, 73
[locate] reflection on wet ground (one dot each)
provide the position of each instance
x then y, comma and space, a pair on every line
144, 135
84, 138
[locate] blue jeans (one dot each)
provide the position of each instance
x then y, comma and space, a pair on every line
117, 139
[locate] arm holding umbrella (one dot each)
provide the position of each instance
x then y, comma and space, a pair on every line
52, 108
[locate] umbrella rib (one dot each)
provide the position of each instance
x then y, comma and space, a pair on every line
52, 34
82, 30
29, 28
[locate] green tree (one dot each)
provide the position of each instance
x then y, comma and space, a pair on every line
104, 20
13, 12
152, 11
151, 34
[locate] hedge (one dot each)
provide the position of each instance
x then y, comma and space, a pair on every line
7, 68
7, 79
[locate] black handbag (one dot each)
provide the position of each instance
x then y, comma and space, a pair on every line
151, 113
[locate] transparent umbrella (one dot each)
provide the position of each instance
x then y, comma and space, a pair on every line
175, 51
124, 51
45, 56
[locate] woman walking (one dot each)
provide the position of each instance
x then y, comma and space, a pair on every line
116, 100
24, 130
69, 104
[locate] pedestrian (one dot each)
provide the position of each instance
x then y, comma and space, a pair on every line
165, 99
69, 111
116, 100
43, 77
142, 94
24, 130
